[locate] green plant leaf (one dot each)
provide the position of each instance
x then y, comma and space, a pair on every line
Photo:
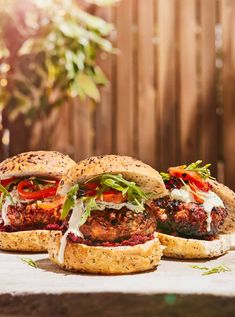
88, 86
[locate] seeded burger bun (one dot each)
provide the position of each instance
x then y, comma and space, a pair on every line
176, 247
34, 163
110, 260
106, 260
131, 169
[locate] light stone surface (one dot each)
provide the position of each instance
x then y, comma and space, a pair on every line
171, 276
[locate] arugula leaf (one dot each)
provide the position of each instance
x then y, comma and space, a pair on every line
90, 204
29, 261
213, 270
70, 201
5, 193
134, 192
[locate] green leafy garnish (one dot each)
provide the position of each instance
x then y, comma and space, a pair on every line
165, 176
213, 270
90, 204
5, 193
29, 261
134, 193
70, 201
203, 171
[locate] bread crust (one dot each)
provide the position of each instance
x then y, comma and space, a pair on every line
25, 241
106, 260
142, 174
37, 163
182, 248
228, 198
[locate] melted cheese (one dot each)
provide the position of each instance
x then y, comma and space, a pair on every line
73, 228
211, 200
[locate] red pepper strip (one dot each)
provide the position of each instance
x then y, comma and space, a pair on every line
193, 177
113, 196
195, 196
34, 195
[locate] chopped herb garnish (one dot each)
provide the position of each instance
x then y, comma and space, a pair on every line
212, 270
70, 201
29, 261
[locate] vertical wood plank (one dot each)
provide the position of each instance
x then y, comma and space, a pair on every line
208, 128
166, 80
188, 81
228, 25
104, 110
82, 129
124, 138
145, 80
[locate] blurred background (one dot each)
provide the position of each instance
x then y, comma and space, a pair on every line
155, 81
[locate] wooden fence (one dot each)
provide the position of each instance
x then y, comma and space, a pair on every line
171, 97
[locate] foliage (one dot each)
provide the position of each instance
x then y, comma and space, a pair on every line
48, 55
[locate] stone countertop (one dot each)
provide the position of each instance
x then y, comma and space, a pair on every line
172, 283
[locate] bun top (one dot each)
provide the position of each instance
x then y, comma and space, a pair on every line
228, 197
131, 169
36, 163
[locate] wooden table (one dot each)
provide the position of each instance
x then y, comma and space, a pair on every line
174, 289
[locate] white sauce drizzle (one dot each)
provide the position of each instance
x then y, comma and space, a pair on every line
5, 206
73, 228
211, 200
102, 205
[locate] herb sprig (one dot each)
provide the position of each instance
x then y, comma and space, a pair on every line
29, 261
203, 171
212, 270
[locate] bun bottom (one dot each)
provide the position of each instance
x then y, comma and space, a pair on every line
106, 260
182, 248
25, 241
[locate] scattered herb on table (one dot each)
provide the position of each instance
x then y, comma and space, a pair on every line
29, 261
212, 270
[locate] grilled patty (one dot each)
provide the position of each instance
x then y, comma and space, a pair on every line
118, 225
186, 219
29, 216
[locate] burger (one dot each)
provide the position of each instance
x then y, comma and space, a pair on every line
111, 229
29, 204
193, 219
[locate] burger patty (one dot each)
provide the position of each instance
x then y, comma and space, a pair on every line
29, 216
186, 219
118, 225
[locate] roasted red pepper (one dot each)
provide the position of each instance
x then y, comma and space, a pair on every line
189, 176
32, 193
113, 196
